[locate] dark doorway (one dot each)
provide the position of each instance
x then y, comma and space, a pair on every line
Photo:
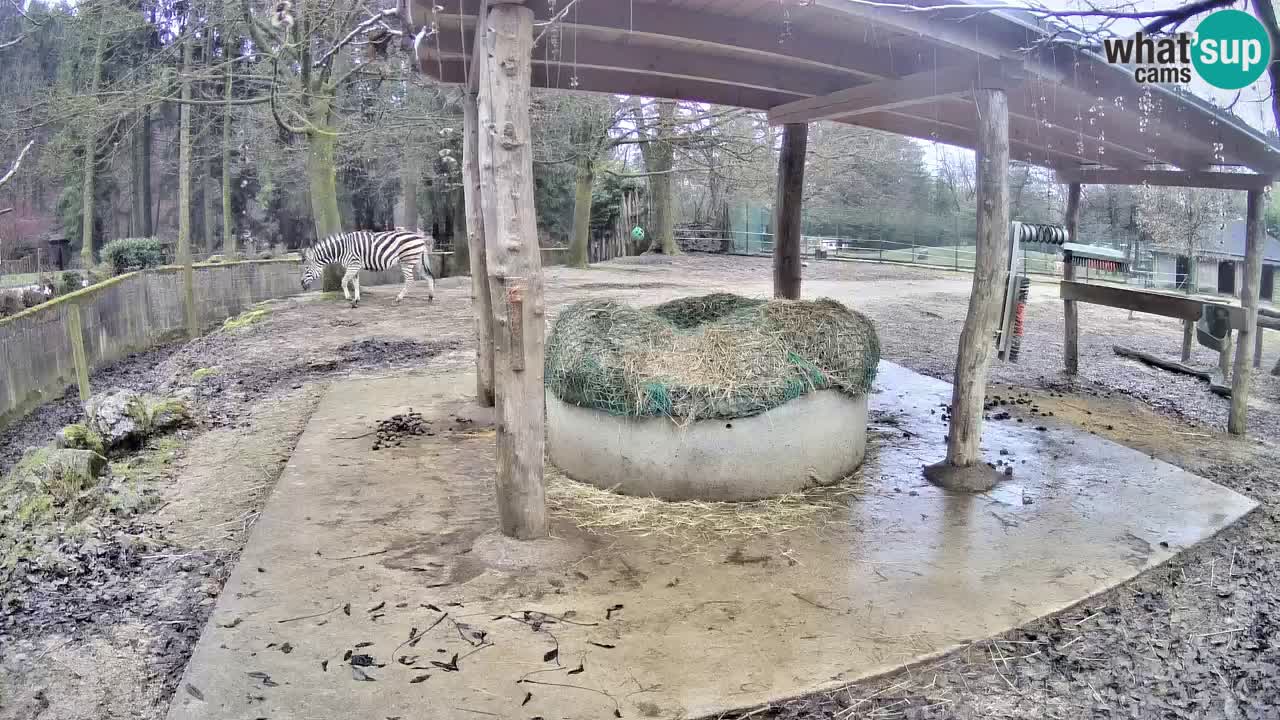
1268, 281
1181, 271
1227, 277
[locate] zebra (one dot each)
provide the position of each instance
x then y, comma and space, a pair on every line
365, 250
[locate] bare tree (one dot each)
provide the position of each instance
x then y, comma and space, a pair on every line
1183, 220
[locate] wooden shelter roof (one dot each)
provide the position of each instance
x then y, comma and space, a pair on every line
908, 73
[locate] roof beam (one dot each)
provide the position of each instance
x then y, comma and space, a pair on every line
932, 130
935, 26
631, 54
897, 93
1031, 129
617, 81
1167, 178
710, 33
1241, 145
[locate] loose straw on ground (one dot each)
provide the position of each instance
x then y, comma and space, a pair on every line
601, 511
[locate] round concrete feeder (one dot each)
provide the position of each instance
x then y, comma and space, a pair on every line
817, 439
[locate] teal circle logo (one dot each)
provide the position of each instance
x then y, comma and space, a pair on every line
1232, 49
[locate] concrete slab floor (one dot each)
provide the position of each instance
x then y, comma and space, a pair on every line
359, 551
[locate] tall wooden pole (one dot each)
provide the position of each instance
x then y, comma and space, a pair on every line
963, 468
481, 303
1071, 333
514, 266
790, 199
1255, 239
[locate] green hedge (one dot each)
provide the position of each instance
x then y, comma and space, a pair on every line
128, 254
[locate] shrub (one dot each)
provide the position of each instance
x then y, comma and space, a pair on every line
32, 297
128, 254
69, 282
100, 272
10, 304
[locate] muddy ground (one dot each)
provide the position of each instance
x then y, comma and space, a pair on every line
1192, 639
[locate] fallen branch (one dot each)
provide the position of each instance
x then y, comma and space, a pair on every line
16, 164
1216, 385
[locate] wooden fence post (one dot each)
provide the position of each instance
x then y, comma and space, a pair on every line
1255, 239
787, 215
963, 468
75, 334
1071, 333
481, 302
514, 264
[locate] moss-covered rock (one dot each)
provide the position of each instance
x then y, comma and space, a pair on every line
125, 419
47, 480
202, 373
79, 436
246, 318
165, 414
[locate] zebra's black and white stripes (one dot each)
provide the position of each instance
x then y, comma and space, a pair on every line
362, 250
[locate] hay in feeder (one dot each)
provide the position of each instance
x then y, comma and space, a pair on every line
604, 512
715, 356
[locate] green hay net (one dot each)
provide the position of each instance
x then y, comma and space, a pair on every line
715, 356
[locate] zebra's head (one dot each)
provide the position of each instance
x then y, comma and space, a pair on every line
310, 268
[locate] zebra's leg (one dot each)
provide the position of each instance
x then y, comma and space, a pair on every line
353, 274
431, 280
357, 286
408, 272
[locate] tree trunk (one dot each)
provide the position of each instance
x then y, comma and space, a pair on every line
481, 302
407, 217
989, 275
228, 223
207, 211
515, 268
136, 211
87, 188
207, 220
659, 159
184, 196
787, 212
1071, 333
1188, 335
323, 185
1255, 239
581, 213
460, 262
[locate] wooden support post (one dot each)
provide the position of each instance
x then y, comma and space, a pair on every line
790, 199
1071, 333
1224, 359
1255, 239
963, 468
1188, 335
514, 266
481, 302
75, 335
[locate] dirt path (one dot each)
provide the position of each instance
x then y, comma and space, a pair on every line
1193, 639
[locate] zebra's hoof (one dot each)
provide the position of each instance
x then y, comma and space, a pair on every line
354, 303
431, 298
